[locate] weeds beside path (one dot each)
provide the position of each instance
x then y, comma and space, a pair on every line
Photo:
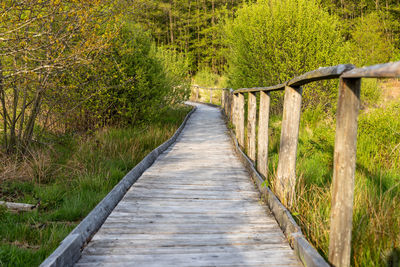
69, 178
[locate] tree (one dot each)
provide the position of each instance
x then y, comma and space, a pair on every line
40, 41
272, 41
370, 40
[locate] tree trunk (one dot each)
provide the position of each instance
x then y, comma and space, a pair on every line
13, 122
171, 25
3, 103
23, 109
32, 118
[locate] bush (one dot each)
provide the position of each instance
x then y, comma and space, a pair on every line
370, 41
176, 68
273, 41
132, 82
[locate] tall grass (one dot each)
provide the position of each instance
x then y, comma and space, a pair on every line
69, 178
376, 220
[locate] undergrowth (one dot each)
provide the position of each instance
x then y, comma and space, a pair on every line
68, 179
376, 219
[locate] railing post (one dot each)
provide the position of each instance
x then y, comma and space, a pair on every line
234, 110
230, 105
226, 102
263, 118
240, 119
251, 126
286, 174
197, 94
222, 99
343, 172
210, 96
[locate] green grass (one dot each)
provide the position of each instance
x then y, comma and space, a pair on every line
376, 220
70, 178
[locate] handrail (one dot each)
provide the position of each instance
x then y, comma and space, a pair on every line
387, 70
259, 89
208, 88
319, 74
211, 89
233, 103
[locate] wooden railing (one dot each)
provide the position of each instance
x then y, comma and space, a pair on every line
233, 104
196, 93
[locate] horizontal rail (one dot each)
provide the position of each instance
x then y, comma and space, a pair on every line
209, 88
319, 74
323, 73
387, 70
277, 87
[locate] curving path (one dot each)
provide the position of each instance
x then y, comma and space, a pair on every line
195, 206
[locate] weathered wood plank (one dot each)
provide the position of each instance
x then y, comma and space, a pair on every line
187, 195
223, 100
230, 103
343, 172
176, 239
210, 96
117, 249
387, 70
277, 87
188, 218
167, 185
263, 120
319, 74
199, 259
196, 206
251, 126
286, 173
240, 120
234, 111
177, 229
191, 264
211, 240
17, 206
256, 210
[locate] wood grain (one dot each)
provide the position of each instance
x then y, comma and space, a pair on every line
343, 172
262, 157
251, 126
319, 74
195, 206
286, 172
387, 70
240, 119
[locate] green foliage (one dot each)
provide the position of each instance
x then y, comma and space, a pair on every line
370, 42
379, 139
176, 66
189, 27
205, 77
377, 188
138, 87
370, 92
130, 82
272, 41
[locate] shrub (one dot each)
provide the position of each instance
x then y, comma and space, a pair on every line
273, 41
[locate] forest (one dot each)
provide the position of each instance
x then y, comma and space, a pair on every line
88, 88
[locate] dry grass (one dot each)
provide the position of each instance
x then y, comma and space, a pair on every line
68, 178
376, 219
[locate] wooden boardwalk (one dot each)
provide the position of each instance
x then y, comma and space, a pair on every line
195, 206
